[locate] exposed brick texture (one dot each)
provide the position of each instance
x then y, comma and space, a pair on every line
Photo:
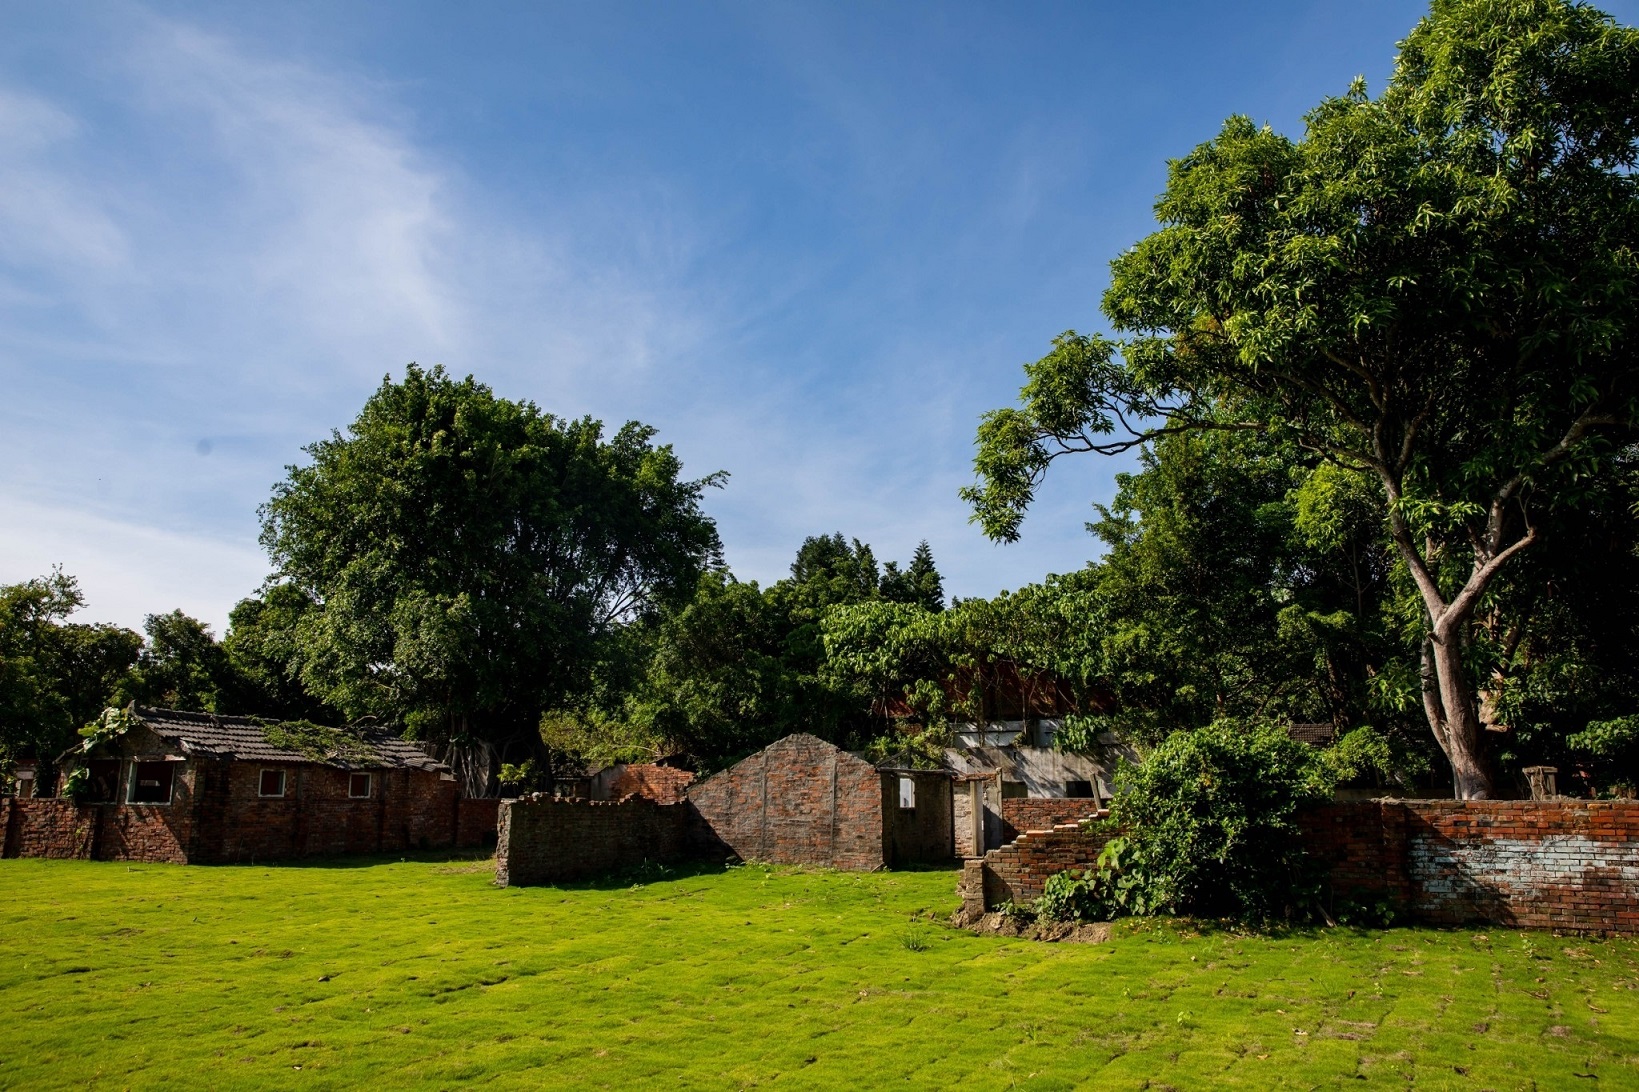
1026, 813
1017, 871
216, 815
662, 784
1563, 864
545, 839
798, 801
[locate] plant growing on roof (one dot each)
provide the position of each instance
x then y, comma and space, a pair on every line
316, 741
112, 724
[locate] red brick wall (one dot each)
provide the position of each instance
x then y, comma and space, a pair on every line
662, 784
1025, 813
544, 839
798, 801
1561, 864
103, 832
475, 823
1017, 871
217, 816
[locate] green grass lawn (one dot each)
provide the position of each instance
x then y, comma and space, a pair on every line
421, 973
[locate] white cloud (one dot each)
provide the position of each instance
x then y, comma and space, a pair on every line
127, 570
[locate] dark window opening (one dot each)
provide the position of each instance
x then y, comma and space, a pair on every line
358, 785
1078, 789
105, 780
273, 783
151, 783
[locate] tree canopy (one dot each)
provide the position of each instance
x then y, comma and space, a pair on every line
457, 557
1432, 293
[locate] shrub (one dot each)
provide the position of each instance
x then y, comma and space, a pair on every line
1109, 890
1210, 821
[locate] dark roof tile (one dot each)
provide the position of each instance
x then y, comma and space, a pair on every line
207, 735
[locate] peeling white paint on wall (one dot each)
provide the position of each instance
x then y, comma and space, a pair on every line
1518, 866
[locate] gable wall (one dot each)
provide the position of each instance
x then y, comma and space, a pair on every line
798, 801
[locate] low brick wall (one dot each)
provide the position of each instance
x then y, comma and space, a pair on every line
1563, 864
1017, 871
1026, 813
545, 839
105, 832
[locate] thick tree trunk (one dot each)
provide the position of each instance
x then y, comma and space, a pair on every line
1453, 713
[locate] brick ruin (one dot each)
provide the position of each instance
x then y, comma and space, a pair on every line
798, 801
193, 788
1562, 864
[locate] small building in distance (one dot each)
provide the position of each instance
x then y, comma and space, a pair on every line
196, 788
801, 800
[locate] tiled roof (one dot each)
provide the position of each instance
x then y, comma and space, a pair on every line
1315, 735
207, 735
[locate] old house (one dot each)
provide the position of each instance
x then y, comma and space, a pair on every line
801, 800
164, 785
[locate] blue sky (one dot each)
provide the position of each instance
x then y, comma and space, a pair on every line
810, 243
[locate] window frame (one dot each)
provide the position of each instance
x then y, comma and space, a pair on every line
284, 783
369, 785
907, 791
134, 783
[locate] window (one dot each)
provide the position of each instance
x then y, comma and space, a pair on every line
104, 774
151, 783
1078, 789
272, 784
358, 785
907, 794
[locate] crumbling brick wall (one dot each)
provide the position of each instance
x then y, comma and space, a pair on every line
1562, 864
1018, 871
475, 822
798, 801
662, 784
1026, 813
543, 839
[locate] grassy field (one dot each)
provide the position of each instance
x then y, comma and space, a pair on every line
421, 973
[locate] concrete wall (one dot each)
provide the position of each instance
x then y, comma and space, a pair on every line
545, 839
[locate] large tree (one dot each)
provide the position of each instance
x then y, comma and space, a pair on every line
1432, 291
464, 555
55, 675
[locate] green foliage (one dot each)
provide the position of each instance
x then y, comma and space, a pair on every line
461, 560
77, 785
182, 666
317, 741
1116, 886
1210, 821
1430, 295
523, 776
54, 675
113, 723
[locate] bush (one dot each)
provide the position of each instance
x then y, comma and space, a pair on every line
1210, 822
1107, 891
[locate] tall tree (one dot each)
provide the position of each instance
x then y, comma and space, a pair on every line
465, 554
1433, 290
55, 675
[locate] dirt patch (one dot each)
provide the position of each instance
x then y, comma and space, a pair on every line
1054, 932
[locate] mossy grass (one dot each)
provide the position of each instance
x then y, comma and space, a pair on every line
420, 972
